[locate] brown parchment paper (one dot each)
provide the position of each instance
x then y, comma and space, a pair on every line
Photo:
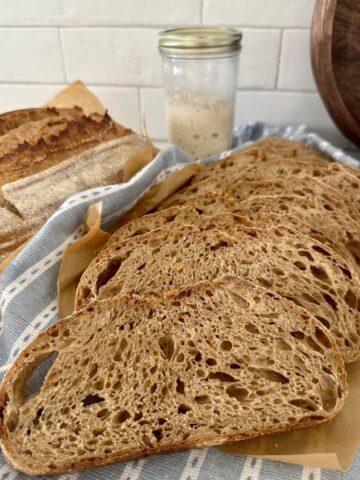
77, 257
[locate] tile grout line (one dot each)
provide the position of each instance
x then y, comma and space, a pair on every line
147, 87
63, 61
276, 86
202, 12
148, 27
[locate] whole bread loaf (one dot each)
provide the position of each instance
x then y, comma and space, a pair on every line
57, 151
212, 363
283, 260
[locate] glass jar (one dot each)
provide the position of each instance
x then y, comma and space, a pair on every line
200, 70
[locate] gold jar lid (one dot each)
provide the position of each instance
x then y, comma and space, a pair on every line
200, 40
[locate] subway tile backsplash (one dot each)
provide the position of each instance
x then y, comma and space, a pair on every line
112, 46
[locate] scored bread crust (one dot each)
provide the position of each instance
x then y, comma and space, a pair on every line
51, 340
171, 258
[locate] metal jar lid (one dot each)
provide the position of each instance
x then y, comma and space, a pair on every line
200, 40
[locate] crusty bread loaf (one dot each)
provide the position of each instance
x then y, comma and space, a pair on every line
209, 203
213, 363
37, 145
319, 214
283, 260
98, 166
57, 151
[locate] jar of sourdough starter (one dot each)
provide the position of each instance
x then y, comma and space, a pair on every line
200, 69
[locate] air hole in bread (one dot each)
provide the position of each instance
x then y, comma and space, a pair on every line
180, 358
264, 282
198, 357
310, 299
202, 399
107, 274
93, 370
226, 345
321, 250
41, 367
252, 328
211, 362
183, 408
304, 253
217, 246
322, 338
282, 344
297, 334
158, 434
319, 273
180, 386
221, 376
278, 272
91, 399
235, 366
351, 299
140, 231
304, 404
331, 301
272, 375
328, 392
323, 320
300, 265
236, 392
103, 413
119, 351
241, 301
121, 417
314, 345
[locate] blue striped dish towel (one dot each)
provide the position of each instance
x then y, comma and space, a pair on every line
28, 306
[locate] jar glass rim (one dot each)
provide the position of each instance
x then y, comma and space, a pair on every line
200, 40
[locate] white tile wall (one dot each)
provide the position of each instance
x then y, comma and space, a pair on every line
112, 46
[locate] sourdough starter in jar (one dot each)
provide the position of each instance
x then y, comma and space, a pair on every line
200, 125
200, 68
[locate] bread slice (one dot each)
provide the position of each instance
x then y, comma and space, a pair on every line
304, 186
283, 260
291, 149
215, 183
260, 153
175, 217
269, 219
212, 363
313, 211
334, 175
208, 203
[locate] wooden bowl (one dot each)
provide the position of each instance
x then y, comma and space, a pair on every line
335, 56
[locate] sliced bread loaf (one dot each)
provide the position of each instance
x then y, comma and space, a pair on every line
313, 211
283, 260
214, 362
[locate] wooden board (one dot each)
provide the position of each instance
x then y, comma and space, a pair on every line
335, 55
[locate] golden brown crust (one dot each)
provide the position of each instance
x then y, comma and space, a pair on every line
36, 146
